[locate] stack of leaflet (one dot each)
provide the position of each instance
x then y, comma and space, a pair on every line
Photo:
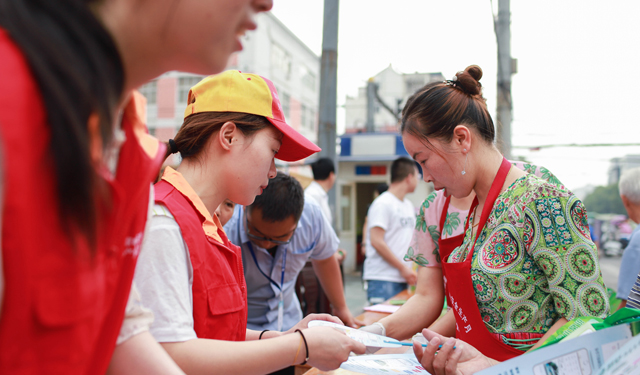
384, 364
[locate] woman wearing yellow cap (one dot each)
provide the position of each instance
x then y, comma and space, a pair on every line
189, 273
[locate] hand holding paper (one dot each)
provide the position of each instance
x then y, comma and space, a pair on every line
304, 323
439, 357
329, 348
367, 338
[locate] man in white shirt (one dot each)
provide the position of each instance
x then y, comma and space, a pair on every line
391, 219
324, 176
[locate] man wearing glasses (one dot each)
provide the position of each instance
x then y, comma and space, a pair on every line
278, 233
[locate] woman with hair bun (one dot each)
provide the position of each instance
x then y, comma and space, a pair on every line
439, 230
526, 264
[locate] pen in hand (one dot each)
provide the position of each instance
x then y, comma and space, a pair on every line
410, 344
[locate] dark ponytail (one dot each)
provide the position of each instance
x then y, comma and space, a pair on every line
197, 129
79, 72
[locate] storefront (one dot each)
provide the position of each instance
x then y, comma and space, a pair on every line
364, 163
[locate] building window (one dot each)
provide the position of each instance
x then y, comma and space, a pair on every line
281, 60
303, 115
184, 85
307, 77
312, 119
149, 90
284, 100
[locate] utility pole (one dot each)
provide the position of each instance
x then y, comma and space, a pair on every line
328, 91
371, 105
506, 67
373, 98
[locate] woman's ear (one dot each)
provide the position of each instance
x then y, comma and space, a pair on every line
462, 137
227, 135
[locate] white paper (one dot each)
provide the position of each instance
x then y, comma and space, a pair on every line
382, 308
368, 339
626, 361
384, 364
585, 355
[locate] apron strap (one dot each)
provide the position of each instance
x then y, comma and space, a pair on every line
443, 215
494, 192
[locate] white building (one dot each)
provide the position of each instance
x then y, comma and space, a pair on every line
394, 89
272, 51
365, 158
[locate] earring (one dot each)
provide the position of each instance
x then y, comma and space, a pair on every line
464, 169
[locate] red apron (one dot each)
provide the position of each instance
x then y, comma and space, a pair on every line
469, 324
63, 306
219, 289
447, 245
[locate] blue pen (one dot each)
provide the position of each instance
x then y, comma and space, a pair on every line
409, 344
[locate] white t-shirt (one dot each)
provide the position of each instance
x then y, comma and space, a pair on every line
164, 276
398, 219
317, 193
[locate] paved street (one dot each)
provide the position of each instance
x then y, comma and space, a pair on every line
354, 293
610, 268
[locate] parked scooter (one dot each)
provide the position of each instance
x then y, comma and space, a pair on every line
611, 246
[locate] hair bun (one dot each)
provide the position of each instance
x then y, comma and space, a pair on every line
468, 80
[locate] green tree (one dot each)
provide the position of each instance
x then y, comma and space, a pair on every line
605, 200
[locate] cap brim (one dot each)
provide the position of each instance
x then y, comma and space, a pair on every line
294, 145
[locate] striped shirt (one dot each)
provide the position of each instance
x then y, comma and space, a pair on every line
634, 297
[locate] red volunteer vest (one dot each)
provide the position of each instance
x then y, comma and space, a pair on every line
219, 289
63, 307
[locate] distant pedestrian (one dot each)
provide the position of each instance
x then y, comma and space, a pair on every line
324, 177
629, 186
225, 211
381, 188
391, 219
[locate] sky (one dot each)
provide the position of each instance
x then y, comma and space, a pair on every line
578, 66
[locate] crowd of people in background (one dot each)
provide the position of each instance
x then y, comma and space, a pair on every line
105, 272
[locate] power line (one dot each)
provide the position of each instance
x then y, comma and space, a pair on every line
535, 148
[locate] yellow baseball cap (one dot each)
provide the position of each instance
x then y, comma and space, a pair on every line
234, 91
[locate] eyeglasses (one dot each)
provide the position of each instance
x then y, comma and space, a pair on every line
258, 238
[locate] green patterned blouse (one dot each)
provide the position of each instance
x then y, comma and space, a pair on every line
534, 261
